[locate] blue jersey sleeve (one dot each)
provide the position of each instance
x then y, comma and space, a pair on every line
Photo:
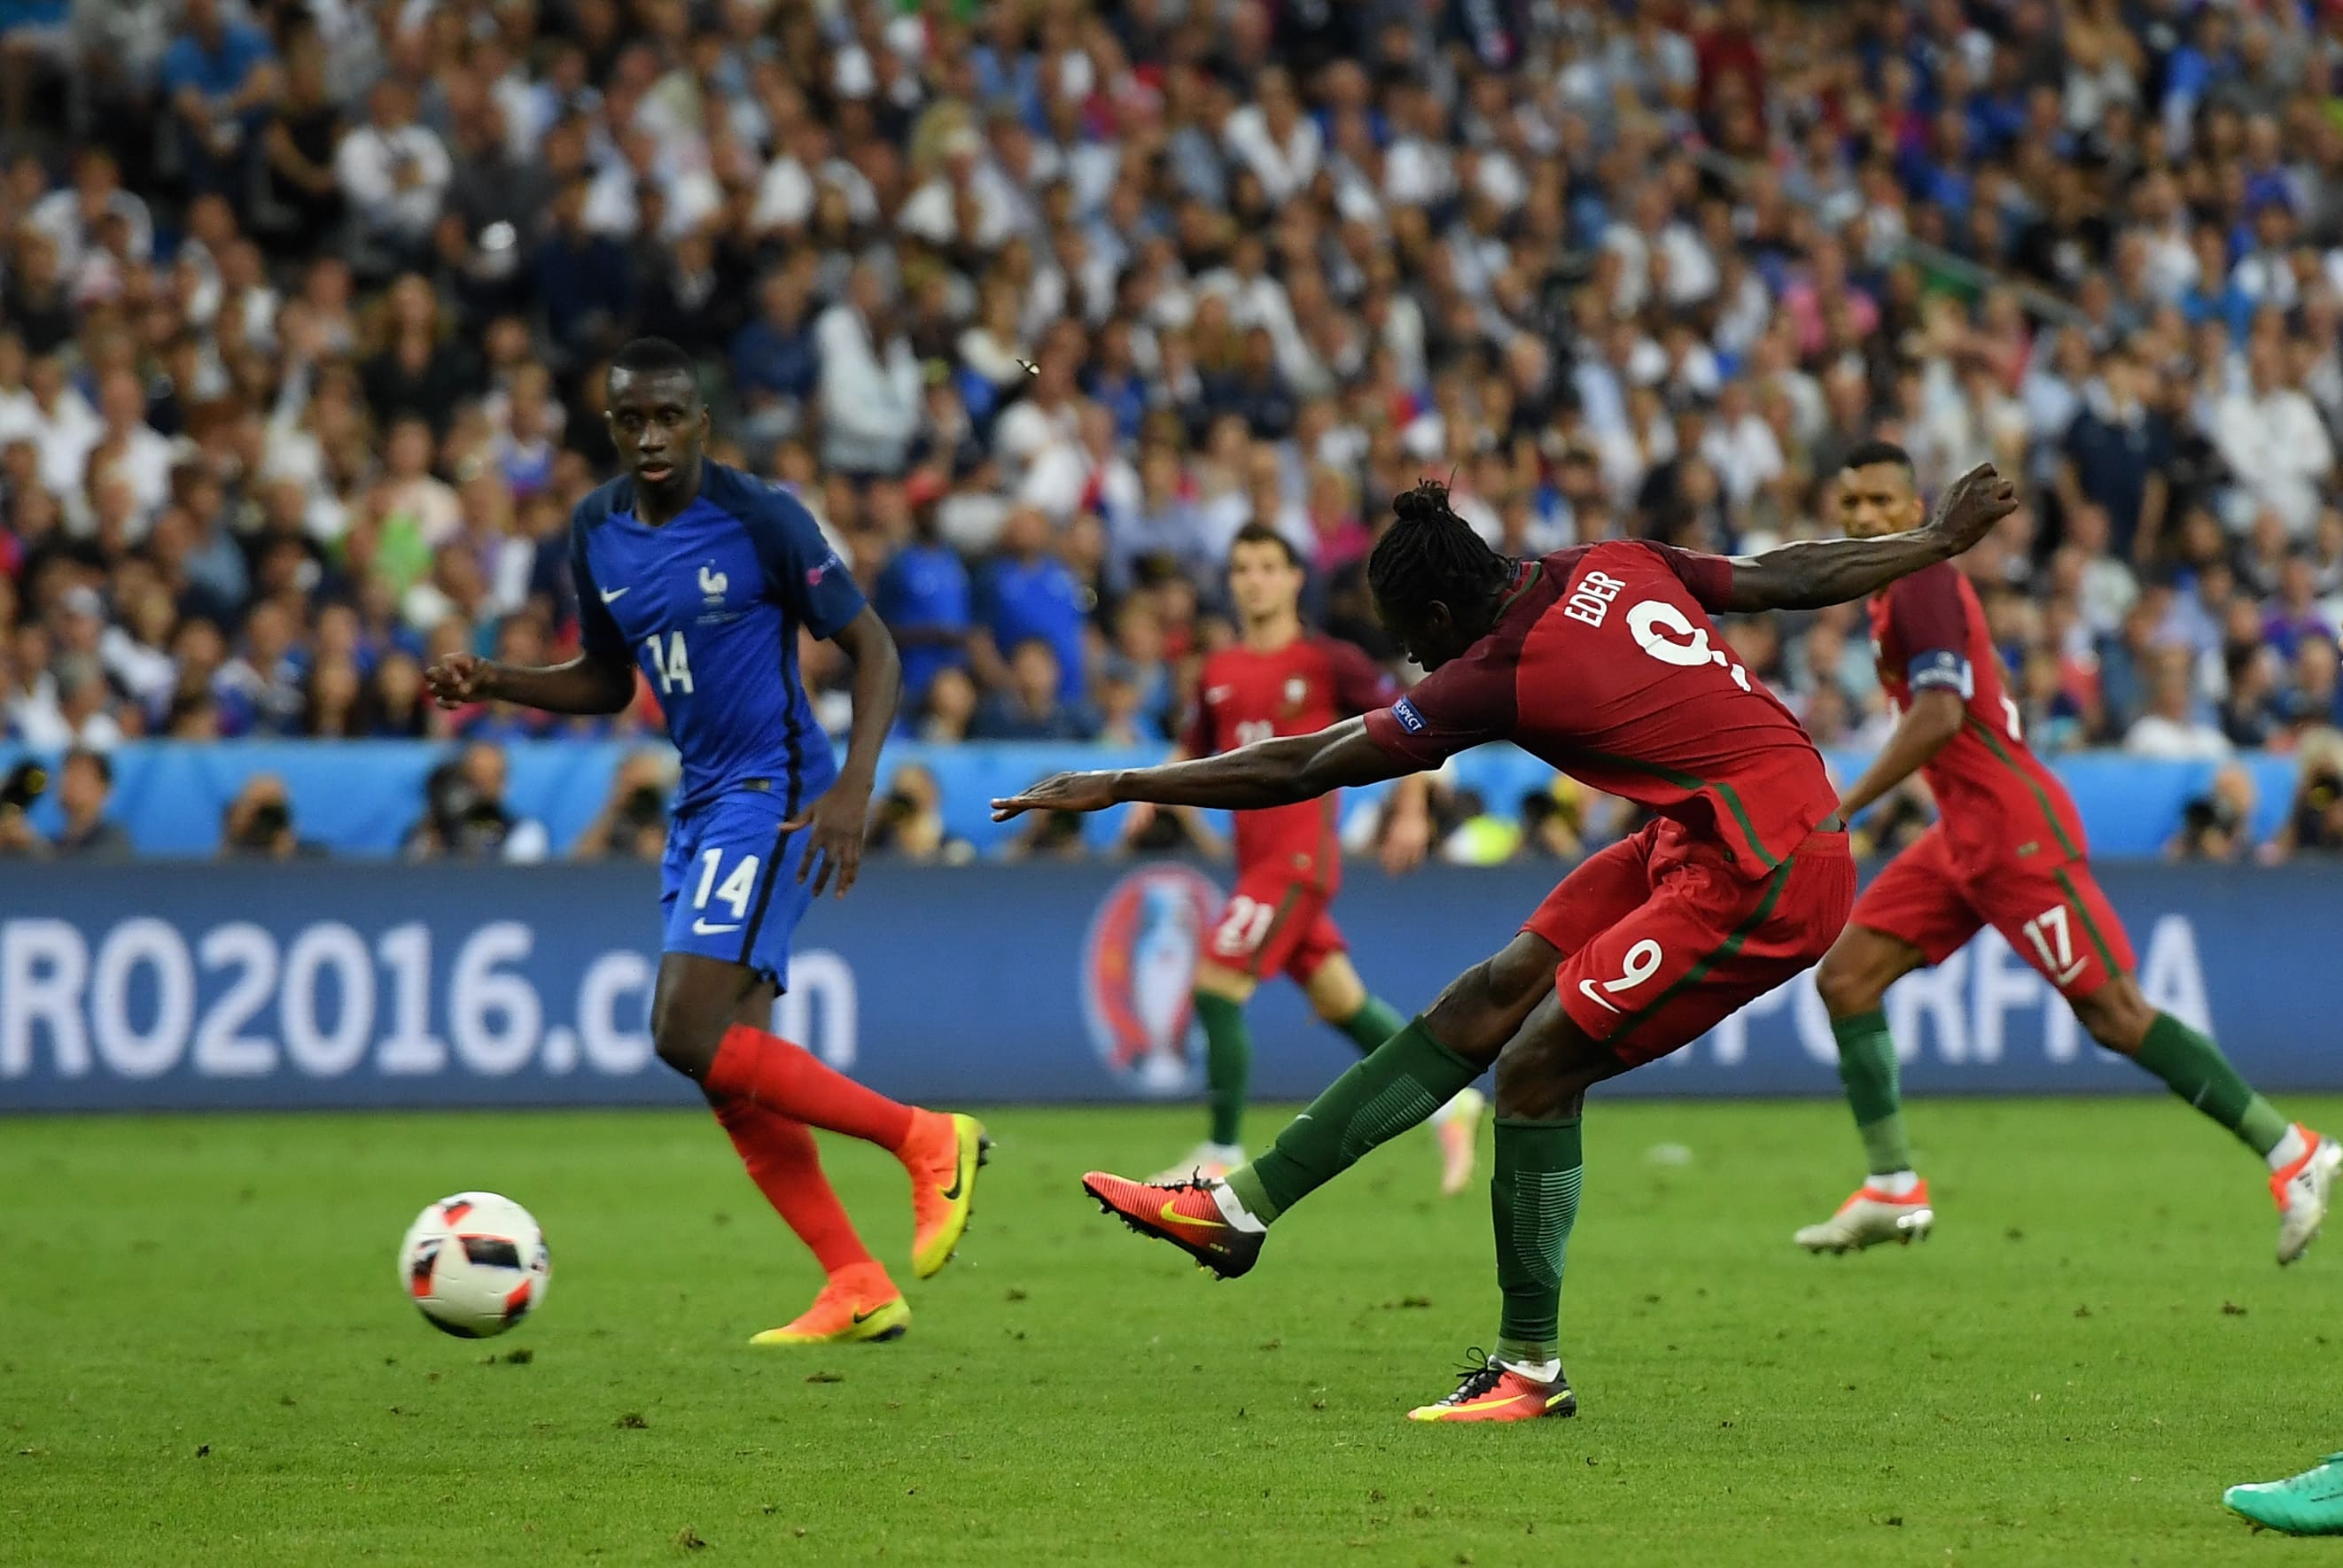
802, 572
598, 629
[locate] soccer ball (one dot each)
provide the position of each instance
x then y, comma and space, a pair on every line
474, 1264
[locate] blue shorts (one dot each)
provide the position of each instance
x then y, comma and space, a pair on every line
728, 886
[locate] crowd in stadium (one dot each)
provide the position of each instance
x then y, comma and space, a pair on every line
304, 303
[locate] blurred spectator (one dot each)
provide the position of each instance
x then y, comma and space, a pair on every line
909, 821
923, 596
221, 76
2171, 728
258, 823
465, 818
25, 783
84, 790
1032, 707
632, 823
2314, 822
2217, 825
393, 173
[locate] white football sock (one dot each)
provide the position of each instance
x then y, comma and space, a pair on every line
1536, 1372
2288, 1148
1234, 1212
1228, 1154
1895, 1184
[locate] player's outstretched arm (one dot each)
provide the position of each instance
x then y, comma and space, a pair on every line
1928, 727
1267, 773
587, 684
1817, 572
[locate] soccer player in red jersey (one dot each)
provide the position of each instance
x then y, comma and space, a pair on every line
1280, 679
2007, 851
1603, 661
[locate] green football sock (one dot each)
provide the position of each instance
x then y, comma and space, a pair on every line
1375, 1021
1533, 1201
2197, 1072
1401, 1083
1228, 1062
1866, 1065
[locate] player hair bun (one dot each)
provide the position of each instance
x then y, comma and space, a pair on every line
1427, 503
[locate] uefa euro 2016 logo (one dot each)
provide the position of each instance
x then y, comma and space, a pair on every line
1138, 964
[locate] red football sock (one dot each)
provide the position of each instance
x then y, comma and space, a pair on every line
768, 1071
785, 1166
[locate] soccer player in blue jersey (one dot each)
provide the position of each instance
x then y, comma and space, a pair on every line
700, 576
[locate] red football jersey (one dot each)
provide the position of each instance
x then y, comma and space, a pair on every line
1997, 799
1605, 665
1305, 686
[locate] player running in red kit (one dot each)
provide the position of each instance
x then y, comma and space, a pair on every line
1280, 679
2007, 851
1601, 661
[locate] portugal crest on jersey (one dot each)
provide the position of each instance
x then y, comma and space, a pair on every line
1139, 962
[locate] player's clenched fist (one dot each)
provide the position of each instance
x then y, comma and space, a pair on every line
1978, 499
1059, 793
457, 679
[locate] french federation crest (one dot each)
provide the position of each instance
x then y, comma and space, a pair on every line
1138, 962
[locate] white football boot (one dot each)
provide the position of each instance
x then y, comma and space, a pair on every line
1870, 1217
2301, 1191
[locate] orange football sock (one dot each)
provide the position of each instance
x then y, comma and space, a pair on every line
783, 1162
768, 1071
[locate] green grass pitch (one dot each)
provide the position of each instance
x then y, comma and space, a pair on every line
205, 1356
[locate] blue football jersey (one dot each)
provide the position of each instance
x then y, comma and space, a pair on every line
707, 606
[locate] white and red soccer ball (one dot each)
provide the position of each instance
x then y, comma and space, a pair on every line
475, 1265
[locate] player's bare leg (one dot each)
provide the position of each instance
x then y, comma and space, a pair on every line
1398, 1086
1219, 994
2303, 1164
1892, 1204
704, 1025
1542, 1075
1340, 997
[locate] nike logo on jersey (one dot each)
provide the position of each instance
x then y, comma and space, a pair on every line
1586, 989
702, 928
1218, 693
610, 593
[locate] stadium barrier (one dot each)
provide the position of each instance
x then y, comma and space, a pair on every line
180, 987
360, 797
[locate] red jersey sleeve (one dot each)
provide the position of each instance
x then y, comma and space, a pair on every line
1196, 728
1360, 684
1928, 629
1708, 578
1455, 707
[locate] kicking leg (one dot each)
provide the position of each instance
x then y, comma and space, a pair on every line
2303, 1164
1404, 1082
1340, 998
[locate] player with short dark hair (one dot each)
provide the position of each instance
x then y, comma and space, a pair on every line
1280, 678
702, 575
2006, 851
1603, 661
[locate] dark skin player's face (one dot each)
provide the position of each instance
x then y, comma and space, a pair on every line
1432, 638
1878, 499
659, 424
